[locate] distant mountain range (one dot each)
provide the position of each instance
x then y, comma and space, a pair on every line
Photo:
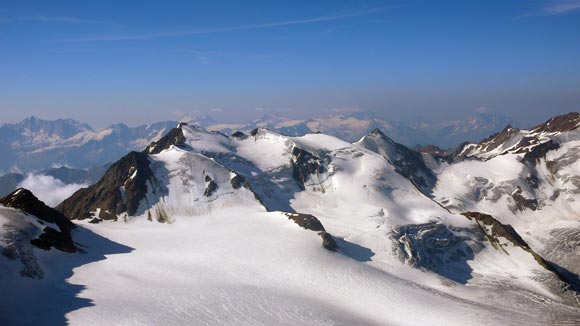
35, 144
353, 126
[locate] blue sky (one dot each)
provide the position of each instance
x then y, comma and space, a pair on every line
145, 61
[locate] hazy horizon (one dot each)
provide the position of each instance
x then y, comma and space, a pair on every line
290, 116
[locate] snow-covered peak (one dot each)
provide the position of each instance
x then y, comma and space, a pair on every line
494, 145
525, 143
378, 142
406, 161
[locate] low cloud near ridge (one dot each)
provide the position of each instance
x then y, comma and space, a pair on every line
50, 190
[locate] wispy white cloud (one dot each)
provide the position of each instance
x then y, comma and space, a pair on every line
561, 7
168, 34
57, 19
48, 189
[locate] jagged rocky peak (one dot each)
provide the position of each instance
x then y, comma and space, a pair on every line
561, 123
377, 132
239, 135
499, 138
534, 143
120, 190
258, 131
155, 182
544, 137
25, 201
380, 143
495, 144
406, 161
174, 138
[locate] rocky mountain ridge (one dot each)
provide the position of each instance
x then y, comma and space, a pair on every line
36, 144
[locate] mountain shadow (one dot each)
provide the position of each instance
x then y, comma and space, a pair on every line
434, 247
47, 301
354, 251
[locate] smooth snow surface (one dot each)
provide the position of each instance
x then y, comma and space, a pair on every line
235, 267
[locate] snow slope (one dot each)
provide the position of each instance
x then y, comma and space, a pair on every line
360, 199
206, 270
528, 179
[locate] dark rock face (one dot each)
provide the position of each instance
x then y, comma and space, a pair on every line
307, 221
441, 155
453, 154
130, 173
522, 202
487, 145
175, 137
531, 144
406, 161
25, 201
239, 181
328, 241
305, 164
53, 238
499, 138
540, 151
497, 229
310, 222
562, 123
239, 135
211, 187
533, 181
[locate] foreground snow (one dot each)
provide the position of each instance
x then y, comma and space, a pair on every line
238, 267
